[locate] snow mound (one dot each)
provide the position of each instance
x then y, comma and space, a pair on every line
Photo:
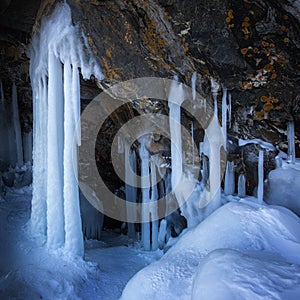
245, 276
244, 226
284, 187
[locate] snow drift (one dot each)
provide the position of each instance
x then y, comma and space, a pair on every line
236, 241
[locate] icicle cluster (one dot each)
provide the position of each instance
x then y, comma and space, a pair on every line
58, 49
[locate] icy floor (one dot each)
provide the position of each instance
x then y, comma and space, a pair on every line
29, 271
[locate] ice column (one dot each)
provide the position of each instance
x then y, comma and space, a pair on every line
154, 212
130, 187
40, 141
175, 99
224, 115
291, 141
56, 102
17, 126
55, 158
145, 184
214, 89
242, 185
27, 146
193, 81
73, 227
229, 185
260, 187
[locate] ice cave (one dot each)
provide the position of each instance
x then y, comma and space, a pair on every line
150, 149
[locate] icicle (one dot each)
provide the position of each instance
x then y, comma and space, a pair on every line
193, 144
17, 126
162, 233
224, 115
73, 227
291, 141
175, 98
229, 185
260, 187
38, 204
242, 185
214, 89
76, 102
229, 109
145, 184
194, 78
154, 212
130, 187
55, 205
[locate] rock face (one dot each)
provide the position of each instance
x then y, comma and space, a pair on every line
252, 47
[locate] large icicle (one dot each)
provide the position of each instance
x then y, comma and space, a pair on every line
175, 99
145, 184
73, 228
17, 126
130, 189
154, 212
38, 203
56, 102
224, 115
55, 178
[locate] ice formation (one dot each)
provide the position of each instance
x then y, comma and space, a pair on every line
260, 172
291, 141
58, 49
175, 99
130, 186
242, 185
224, 115
229, 184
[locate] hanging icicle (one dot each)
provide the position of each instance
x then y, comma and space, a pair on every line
260, 187
58, 49
145, 183
229, 185
291, 141
242, 185
224, 115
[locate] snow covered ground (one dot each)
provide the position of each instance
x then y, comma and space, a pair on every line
244, 250
29, 271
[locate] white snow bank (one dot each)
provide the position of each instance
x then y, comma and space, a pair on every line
245, 276
243, 226
284, 187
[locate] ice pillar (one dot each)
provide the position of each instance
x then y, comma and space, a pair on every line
229, 185
291, 141
260, 187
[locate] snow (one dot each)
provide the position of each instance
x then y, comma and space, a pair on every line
218, 258
283, 187
28, 270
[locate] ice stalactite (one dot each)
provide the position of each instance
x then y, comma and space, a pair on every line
260, 171
193, 81
224, 115
229, 185
17, 126
291, 141
130, 187
242, 185
55, 175
175, 99
214, 89
154, 211
145, 184
229, 109
57, 50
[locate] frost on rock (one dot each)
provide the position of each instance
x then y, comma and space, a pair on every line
57, 50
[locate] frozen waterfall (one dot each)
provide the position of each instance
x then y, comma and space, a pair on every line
57, 51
